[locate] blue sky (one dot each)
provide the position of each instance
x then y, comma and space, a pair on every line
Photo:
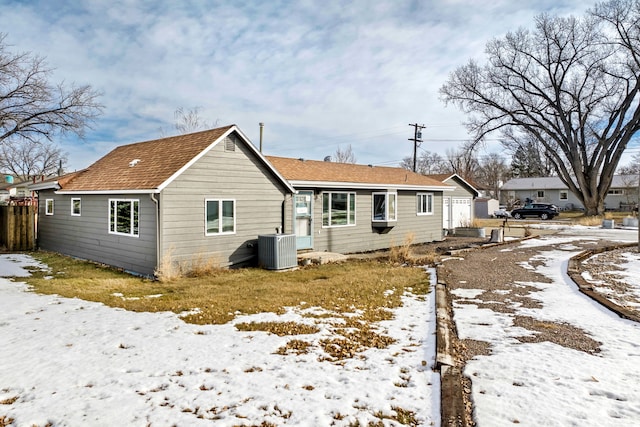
320, 74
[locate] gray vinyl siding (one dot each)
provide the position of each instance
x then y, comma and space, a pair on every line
221, 174
87, 236
363, 236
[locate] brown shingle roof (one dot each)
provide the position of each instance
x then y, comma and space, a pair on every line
440, 176
314, 170
158, 160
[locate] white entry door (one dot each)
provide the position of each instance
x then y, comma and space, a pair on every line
304, 219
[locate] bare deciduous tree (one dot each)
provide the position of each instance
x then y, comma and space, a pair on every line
573, 84
463, 161
344, 156
188, 121
27, 158
632, 168
32, 108
492, 172
428, 163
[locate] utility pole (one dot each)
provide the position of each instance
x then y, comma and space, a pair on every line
417, 138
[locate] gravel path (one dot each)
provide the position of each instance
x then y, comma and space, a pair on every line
606, 273
501, 272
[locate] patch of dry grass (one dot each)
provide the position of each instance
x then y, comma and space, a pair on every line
472, 223
294, 346
279, 328
360, 286
400, 254
589, 220
403, 254
9, 401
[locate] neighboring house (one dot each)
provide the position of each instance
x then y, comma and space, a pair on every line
200, 196
622, 193
13, 189
457, 207
346, 208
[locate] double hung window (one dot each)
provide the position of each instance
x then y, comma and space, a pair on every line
425, 203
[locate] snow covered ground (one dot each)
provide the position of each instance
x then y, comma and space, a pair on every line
545, 384
69, 362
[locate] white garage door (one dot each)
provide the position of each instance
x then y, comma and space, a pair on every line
460, 211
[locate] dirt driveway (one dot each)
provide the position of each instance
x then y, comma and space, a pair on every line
499, 293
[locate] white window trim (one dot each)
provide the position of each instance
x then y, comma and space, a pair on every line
48, 211
564, 195
133, 229
73, 199
386, 207
220, 203
540, 194
419, 203
349, 195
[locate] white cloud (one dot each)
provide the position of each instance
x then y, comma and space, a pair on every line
319, 74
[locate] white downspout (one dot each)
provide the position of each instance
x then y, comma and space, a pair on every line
158, 246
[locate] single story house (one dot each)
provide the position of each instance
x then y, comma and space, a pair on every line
209, 196
622, 194
205, 195
342, 207
458, 208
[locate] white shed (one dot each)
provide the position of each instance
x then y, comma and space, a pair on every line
484, 208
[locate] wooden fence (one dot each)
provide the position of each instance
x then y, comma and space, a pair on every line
17, 228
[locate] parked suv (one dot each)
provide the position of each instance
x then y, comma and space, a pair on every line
539, 210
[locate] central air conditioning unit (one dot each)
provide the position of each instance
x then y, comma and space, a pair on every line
277, 251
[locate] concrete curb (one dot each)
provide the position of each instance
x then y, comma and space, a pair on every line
574, 272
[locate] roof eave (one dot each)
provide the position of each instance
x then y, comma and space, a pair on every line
368, 186
139, 191
51, 185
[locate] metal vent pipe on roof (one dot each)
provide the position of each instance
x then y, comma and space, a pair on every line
261, 129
